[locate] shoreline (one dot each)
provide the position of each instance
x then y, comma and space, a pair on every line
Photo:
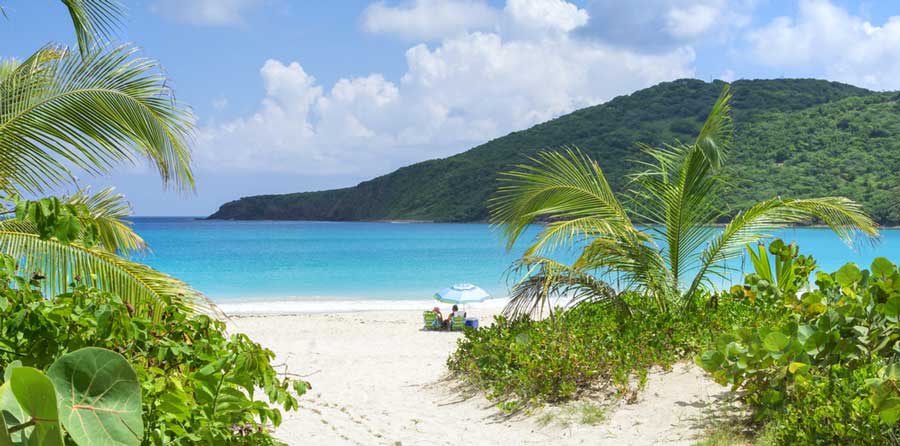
297, 306
480, 222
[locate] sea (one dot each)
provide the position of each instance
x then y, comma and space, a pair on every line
302, 266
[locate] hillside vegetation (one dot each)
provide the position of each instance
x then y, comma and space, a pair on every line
794, 137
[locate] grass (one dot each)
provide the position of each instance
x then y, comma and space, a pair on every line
729, 434
581, 413
725, 435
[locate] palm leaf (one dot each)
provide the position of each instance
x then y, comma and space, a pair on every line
679, 202
635, 260
716, 136
109, 211
547, 281
844, 216
94, 112
94, 20
566, 190
147, 290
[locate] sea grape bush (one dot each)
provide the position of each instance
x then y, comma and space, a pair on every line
827, 373
199, 386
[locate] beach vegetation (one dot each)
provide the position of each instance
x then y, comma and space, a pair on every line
785, 354
89, 109
588, 349
582, 412
69, 283
196, 384
675, 255
827, 372
727, 434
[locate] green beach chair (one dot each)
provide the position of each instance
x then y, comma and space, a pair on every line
431, 321
458, 323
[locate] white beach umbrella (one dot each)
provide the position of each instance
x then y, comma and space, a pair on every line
462, 293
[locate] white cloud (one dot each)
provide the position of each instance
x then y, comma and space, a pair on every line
433, 20
663, 24
462, 92
429, 19
204, 12
693, 20
826, 38
556, 15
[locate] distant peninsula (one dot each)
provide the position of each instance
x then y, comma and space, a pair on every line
794, 137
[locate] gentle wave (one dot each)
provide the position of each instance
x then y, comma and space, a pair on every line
295, 306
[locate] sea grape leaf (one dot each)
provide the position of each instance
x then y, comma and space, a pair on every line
797, 367
889, 410
9, 369
99, 396
848, 275
882, 267
892, 308
775, 341
710, 360
12, 414
892, 371
37, 398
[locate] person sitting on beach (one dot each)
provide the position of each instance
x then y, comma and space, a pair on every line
438, 317
454, 313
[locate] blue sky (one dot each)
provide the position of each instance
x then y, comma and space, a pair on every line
307, 95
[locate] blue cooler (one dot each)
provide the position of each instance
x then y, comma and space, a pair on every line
472, 323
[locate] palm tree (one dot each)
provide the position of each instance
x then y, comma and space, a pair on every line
673, 256
91, 110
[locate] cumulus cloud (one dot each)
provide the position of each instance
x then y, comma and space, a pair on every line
664, 24
429, 19
557, 15
432, 20
826, 38
466, 90
204, 12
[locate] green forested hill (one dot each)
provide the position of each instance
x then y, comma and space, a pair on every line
794, 137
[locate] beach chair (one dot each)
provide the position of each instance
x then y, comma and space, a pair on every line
431, 321
458, 323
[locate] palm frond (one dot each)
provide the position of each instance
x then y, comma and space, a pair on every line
94, 112
635, 260
678, 194
716, 136
94, 20
566, 190
545, 282
845, 217
109, 211
146, 289
680, 201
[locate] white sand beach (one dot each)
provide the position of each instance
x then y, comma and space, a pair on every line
379, 380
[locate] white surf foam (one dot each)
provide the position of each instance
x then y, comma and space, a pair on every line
294, 306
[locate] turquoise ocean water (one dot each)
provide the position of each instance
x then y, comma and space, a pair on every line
306, 261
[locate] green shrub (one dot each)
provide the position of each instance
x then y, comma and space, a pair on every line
829, 370
832, 407
530, 362
198, 385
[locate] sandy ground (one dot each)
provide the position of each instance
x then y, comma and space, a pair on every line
379, 380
